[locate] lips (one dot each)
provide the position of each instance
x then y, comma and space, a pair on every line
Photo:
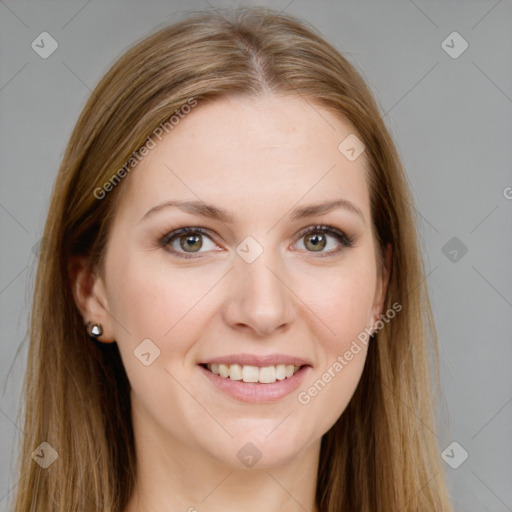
257, 391
256, 378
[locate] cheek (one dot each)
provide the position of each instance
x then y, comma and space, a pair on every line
326, 395
339, 302
168, 307
159, 302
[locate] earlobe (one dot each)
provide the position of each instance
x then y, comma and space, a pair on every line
90, 298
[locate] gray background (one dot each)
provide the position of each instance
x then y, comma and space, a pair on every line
450, 117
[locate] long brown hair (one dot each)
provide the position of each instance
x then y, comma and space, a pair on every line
382, 453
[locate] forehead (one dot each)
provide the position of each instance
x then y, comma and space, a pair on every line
250, 152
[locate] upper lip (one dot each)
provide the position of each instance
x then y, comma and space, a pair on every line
255, 360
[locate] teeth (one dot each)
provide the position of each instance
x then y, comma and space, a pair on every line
267, 374
235, 372
281, 372
223, 370
248, 373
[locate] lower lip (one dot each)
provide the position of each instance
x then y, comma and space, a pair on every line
256, 391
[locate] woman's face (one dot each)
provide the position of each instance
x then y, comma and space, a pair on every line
253, 288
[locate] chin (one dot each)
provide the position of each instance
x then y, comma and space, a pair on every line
263, 451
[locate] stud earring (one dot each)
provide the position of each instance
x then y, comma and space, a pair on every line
94, 330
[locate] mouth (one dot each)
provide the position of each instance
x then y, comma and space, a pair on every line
254, 383
253, 374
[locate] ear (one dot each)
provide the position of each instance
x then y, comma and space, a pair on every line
382, 286
90, 297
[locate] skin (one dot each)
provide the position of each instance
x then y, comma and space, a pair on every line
260, 158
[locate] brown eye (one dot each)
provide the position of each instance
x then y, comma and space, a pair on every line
315, 241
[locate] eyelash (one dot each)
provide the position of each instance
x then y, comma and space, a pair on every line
168, 237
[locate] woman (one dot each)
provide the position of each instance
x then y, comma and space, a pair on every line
231, 313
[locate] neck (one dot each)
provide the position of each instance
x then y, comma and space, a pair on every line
172, 475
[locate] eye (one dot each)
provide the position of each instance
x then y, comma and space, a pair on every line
188, 240
185, 242
316, 239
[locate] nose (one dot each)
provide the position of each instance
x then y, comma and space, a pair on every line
259, 298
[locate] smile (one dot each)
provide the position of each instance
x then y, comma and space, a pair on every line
249, 383
249, 373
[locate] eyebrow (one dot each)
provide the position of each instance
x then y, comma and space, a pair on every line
209, 211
